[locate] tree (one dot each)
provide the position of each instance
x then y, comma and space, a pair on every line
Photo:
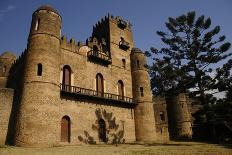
186, 63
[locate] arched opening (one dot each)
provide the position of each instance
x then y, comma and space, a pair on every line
66, 81
102, 130
138, 64
141, 91
100, 85
65, 129
66, 75
121, 90
37, 24
162, 116
124, 63
95, 50
4, 69
39, 69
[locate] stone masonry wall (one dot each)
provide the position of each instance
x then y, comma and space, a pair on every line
6, 99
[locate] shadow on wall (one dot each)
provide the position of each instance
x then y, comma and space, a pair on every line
114, 132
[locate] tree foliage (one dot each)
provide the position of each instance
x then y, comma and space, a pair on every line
188, 60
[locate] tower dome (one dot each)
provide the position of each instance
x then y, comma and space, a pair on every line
48, 8
8, 55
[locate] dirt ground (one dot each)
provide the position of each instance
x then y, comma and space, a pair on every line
171, 148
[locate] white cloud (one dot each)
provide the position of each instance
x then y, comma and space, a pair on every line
6, 10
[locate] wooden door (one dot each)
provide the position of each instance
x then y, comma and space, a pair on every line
65, 129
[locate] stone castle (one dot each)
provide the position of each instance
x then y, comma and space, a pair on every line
68, 92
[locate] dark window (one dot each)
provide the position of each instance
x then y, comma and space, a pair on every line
39, 69
4, 69
95, 50
141, 91
66, 75
162, 117
138, 65
124, 63
120, 89
102, 130
100, 84
65, 129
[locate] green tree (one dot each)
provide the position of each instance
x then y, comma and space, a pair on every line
192, 49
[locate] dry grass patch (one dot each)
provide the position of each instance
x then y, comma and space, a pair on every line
171, 148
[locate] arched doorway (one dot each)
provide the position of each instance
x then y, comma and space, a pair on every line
102, 130
100, 85
65, 129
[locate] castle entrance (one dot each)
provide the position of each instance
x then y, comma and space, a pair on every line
65, 129
102, 130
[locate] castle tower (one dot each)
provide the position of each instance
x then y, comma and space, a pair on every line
115, 36
6, 61
36, 124
145, 129
179, 117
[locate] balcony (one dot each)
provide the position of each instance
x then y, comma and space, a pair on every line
122, 24
124, 45
93, 94
98, 56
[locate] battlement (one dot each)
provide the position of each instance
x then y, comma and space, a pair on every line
70, 45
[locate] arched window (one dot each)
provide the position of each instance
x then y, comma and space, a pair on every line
66, 75
102, 130
138, 64
65, 129
99, 85
4, 69
95, 50
120, 89
124, 63
37, 24
162, 116
141, 91
39, 69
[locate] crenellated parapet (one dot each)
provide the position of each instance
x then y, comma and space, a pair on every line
70, 45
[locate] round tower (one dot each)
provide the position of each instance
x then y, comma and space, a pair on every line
37, 124
179, 117
144, 115
6, 61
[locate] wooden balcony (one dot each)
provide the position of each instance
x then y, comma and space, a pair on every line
122, 24
124, 45
93, 94
100, 57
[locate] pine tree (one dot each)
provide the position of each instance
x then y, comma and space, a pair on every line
187, 62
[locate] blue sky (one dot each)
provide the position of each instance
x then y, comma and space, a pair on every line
146, 16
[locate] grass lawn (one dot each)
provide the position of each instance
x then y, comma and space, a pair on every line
171, 148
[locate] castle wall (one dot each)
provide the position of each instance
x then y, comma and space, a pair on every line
161, 119
84, 121
6, 99
84, 73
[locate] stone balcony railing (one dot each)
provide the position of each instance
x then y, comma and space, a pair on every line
99, 57
93, 94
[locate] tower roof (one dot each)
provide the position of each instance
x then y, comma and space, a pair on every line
136, 50
48, 8
8, 55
